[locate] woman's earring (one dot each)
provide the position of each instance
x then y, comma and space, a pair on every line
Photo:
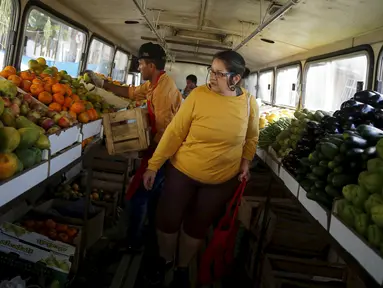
232, 87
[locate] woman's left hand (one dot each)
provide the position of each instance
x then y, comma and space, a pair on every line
244, 174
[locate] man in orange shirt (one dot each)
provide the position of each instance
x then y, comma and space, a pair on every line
163, 101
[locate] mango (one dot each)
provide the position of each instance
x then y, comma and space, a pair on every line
20, 166
8, 165
38, 154
28, 137
8, 118
43, 142
8, 89
27, 157
23, 122
9, 139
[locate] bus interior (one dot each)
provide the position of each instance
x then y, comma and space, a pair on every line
302, 54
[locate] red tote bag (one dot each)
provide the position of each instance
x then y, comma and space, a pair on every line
219, 255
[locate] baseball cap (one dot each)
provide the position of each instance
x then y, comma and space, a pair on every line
151, 51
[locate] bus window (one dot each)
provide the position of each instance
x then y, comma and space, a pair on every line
59, 43
379, 74
331, 82
287, 82
120, 66
100, 57
266, 86
251, 84
7, 18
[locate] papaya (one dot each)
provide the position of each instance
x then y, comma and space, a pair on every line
20, 166
28, 137
38, 153
8, 118
43, 142
9, 139
1, 106
8, 165
23, 122
27, 157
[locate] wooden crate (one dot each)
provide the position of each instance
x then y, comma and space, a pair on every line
126, 131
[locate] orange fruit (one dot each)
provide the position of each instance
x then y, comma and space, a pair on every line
36, 89
75, 97
83, 117
5, 74
73, 115
49, 80
58, 88
55, 107
37, 81
26, 85
68, 101
68, 90
25, 75
48, 88
15, 79
59, 98
45, 97
10, 69
77, 107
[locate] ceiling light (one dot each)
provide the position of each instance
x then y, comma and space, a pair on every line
267, 40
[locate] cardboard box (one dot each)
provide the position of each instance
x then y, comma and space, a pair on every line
95, 223
36, 239
57, 262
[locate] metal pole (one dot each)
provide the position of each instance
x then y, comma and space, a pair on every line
267, 22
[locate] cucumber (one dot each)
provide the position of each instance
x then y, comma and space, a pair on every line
319, 171
339, 158
349, 133
329, 150
335, 141
339, 136
306, 184
320, 196
332, 191
302, 170
320, 184
323, 163
343, 148
338, 170
330, 177
312, 177
333, 164
313, 157
305, 162
356, 142
340, 180
318, 147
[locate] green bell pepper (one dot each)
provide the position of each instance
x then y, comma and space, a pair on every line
361, 223
374, 235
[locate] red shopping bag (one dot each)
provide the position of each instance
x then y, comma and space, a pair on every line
219, 255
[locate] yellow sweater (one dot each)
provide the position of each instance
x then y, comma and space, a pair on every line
209, 136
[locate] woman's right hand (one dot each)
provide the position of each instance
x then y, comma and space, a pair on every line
148, 179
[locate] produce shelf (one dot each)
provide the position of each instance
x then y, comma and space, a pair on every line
65, 138
273, 164
261, 154
358, 248
91, 129
65, 158
289, 181
317, 211
17, 185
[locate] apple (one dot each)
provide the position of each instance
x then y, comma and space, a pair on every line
15, 109
56, 118
24, 109
64, 122
51, 113
46, 123
28, 98
16, 101
7, 102
53, 129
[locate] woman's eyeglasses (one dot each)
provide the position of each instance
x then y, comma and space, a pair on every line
218, 74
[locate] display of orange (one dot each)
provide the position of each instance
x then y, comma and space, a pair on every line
10, 69
37, 81
26, 85
26, 75
77, 107
59, 98
73, 115
75, 97
15, 79
5, 74
55, 106
83, 117
45, 97
68, 101
48, 88
36, 89
58, 88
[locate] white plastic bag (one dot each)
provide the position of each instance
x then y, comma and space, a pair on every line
16, 282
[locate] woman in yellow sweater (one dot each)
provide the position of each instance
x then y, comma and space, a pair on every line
210, 144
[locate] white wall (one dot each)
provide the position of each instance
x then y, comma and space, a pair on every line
179, 71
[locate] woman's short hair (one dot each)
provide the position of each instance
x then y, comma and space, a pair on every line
233, 61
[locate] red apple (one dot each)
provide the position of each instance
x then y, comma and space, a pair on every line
28, 98
56, 118
15, 109
7, 102
16, 101
64, 122
51, 113
46, 123
53, 129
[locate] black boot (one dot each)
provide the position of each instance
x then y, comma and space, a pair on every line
181, 278
156, 272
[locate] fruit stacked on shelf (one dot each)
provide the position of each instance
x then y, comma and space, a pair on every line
362, 208
268, 135
51, 229
74, 192
270, 117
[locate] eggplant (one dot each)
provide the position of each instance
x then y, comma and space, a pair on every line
365, 95
349, 103
375, 100
336, 113
378, 119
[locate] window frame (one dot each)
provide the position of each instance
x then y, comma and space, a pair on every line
341, 54
256, 86
299, 86
272, 84
47, 10
379, 71
127, 63
101, 39
11, 47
